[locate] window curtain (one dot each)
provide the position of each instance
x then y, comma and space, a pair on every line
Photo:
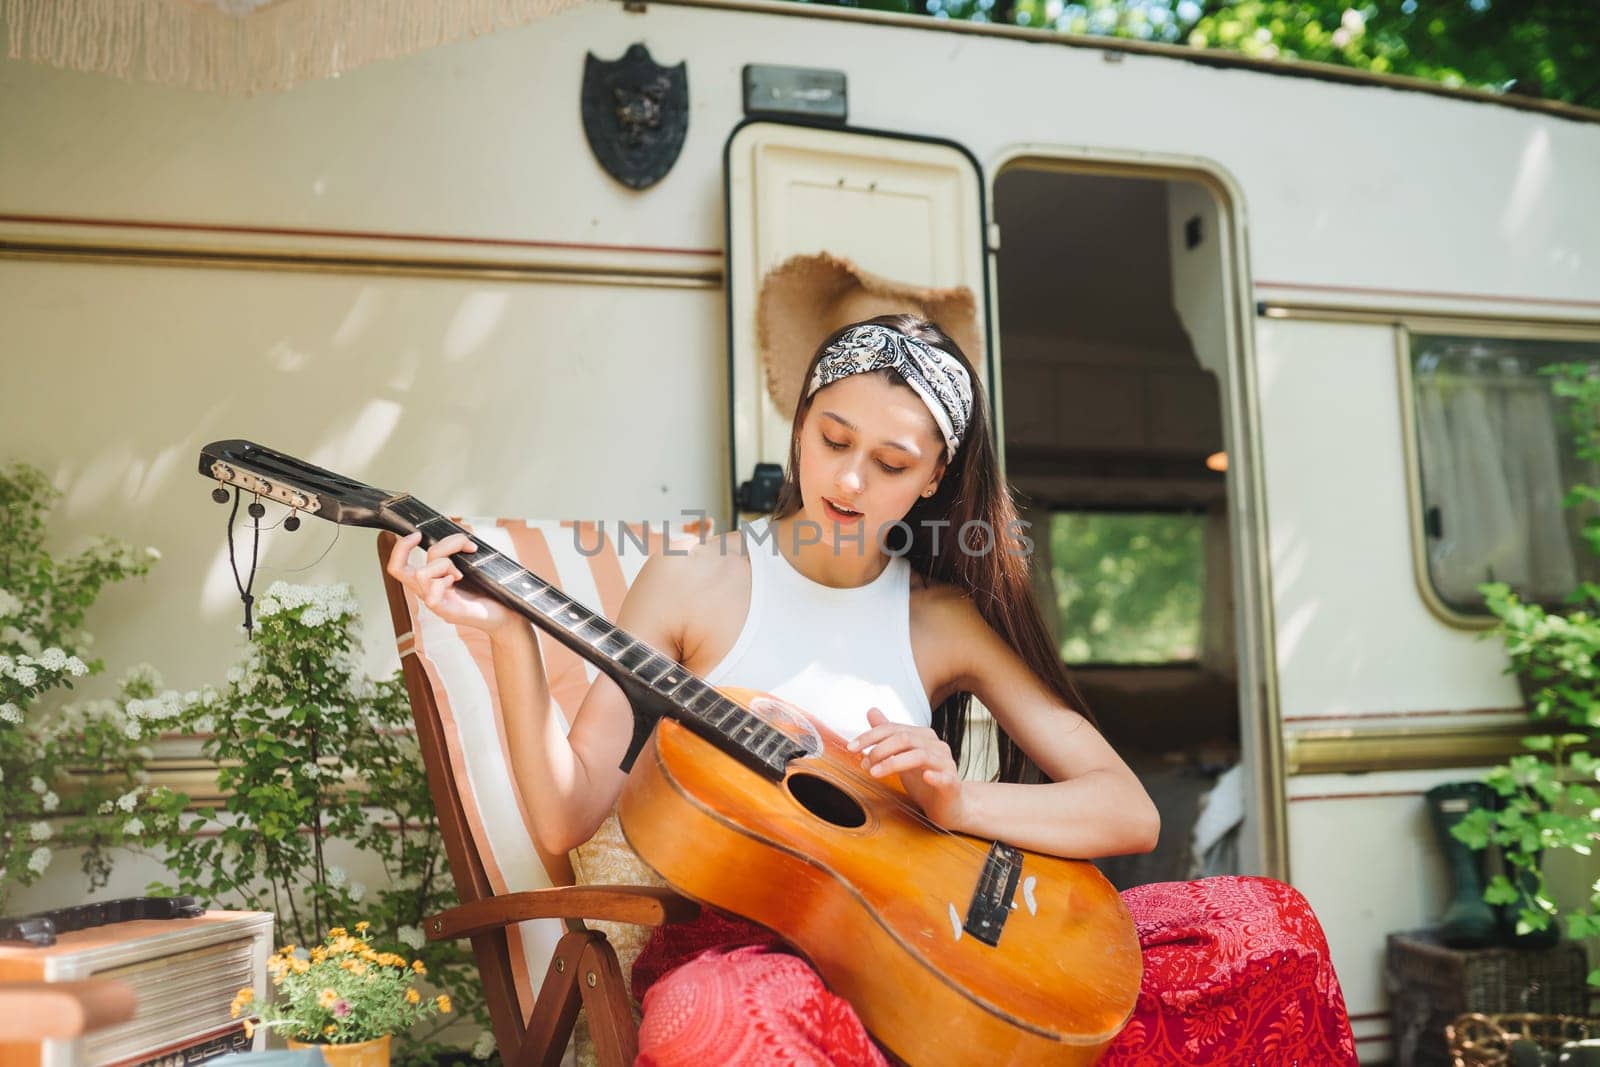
1492, 477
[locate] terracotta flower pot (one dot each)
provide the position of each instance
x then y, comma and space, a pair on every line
374, 1053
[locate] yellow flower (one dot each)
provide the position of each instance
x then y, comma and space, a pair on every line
249, 1029
362, 925
319, 954
416, 965
357, 967
330, 1030
245, 995
327, 998
444, 1004
413, 997
233, 1010
286, 950
338, 931
300, 966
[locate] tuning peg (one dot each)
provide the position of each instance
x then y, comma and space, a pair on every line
256, 509
220, 495
292, 523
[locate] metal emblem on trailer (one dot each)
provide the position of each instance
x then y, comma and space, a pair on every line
635, 115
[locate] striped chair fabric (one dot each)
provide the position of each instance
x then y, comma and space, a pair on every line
594, 563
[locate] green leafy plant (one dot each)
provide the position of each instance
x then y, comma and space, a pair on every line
341, 992
1548, 796
63, 765
314, 760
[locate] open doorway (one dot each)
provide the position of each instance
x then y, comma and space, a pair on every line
1113, 375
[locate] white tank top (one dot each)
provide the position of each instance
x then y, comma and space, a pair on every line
833, 652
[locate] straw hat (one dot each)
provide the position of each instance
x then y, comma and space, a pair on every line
806, 298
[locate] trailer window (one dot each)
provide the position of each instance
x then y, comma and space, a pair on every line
1128, 586
1497, 454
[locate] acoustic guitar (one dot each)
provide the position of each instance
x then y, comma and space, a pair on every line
951, 949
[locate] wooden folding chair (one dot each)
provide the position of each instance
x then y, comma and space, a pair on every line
520, 906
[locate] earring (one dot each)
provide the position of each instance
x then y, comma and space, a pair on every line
930, 492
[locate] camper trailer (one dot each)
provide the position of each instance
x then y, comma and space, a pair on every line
1296, 311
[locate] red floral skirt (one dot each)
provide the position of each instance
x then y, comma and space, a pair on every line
1236, 971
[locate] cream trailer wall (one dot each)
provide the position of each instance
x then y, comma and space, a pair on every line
448, 295
526, 395
1345, 186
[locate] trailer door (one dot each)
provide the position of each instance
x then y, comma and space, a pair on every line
902, 207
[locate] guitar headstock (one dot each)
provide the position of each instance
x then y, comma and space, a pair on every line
307, 489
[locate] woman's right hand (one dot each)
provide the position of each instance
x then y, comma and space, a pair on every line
434, 583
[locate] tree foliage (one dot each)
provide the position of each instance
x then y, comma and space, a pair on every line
1128, 587
1544, 48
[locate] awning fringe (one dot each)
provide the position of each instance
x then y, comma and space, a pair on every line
198, 46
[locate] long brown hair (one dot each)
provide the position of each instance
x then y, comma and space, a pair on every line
971, 491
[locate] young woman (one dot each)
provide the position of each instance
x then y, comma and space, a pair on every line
889, 587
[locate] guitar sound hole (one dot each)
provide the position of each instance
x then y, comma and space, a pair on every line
827, 801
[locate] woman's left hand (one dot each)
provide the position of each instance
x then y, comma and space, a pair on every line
923, 761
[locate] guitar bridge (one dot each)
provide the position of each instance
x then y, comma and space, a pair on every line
997, 888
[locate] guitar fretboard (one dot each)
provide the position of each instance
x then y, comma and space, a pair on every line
634, 664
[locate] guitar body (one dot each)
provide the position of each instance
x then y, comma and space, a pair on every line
878, 907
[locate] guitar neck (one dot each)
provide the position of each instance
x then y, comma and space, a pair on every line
656, 684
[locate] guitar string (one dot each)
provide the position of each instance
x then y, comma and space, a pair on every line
873, 787
880, 789
244, 589
338, 531
870, 785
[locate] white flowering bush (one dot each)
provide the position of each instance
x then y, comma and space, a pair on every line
47, 802
312, 754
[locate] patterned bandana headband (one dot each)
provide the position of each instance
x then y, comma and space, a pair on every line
938, 377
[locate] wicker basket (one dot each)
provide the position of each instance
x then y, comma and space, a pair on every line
1430, 984
1478, 1040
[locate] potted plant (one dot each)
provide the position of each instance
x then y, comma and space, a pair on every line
343, 997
